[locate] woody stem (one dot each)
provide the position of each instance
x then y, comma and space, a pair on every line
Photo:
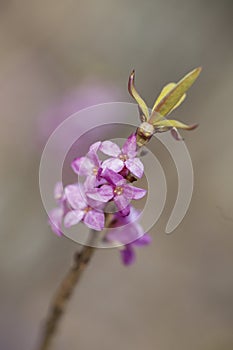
63, 294
67, 286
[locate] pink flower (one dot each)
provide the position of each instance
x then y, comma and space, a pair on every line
131, 235
118, 189
125, 157
89, 165
128, 256
82, 209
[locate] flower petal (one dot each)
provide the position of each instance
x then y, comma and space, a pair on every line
86, 166
128, 255
92, 155
122, 203
75, 165
143, 240
114, 164
55, 220
130, 146
131, 218
73, 217
75, 196
95, 146
125, 234
125, 212
83, 166
112, 177
58, 191
110, 148
132, 192
99, 206
94, 220
102, 194
135, 166
90, 183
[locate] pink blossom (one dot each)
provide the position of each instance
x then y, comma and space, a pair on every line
130, 236
85, 202
89, 165
82, 209
118, 189
125, 157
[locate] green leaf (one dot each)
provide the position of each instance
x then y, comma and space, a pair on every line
174, 94
167, 123
167, 88
133, 92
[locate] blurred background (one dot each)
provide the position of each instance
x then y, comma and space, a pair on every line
60, 56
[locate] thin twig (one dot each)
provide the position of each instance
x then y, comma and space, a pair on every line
63, 294
66, 288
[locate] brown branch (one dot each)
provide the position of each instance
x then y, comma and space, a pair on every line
66, 288
63, 294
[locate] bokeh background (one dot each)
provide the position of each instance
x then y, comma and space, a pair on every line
60, 56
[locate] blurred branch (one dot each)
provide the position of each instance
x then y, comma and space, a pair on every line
63, 294
66, 288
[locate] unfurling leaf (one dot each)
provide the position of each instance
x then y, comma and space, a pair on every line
173, 94
169, 124
133, 92
167, 88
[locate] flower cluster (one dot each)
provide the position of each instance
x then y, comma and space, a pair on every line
105, 181
109, 180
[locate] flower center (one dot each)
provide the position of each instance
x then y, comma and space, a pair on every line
118, 190
87, 209
95, 170
123, 157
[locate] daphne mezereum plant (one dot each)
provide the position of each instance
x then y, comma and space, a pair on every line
108, 182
